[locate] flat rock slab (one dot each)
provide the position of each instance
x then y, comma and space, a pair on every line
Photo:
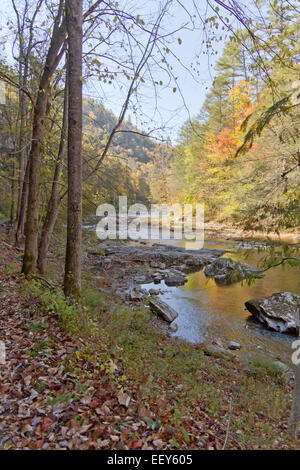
167, 254
215, 350
163, 310
279, 312
227, 271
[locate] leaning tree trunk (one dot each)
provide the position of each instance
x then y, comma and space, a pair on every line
31, 230
23, 205
52, 208
54, 55
72, 279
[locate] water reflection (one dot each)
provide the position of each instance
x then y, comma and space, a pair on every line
207, 310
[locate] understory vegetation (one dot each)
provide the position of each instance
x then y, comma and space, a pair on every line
184, 395
86, 366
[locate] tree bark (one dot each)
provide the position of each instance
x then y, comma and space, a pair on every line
23, 205
53, 57
295, 412
12, 187
72, 279
22, 150
53, 203
24, 23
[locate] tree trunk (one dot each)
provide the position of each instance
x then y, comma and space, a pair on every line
52, 208
295, 412
72, 280
31, 231
12, 187
22, 150
23, 205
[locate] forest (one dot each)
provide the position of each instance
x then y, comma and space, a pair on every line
240, 155
168, 103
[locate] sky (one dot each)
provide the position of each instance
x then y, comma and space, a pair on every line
162, 108
159, 111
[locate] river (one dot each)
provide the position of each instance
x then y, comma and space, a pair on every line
208, 311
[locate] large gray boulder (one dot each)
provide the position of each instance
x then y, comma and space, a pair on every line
227, 271
175, 279
163, 310
279, 312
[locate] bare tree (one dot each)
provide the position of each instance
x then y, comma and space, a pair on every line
24, 22
53, 203
55, 52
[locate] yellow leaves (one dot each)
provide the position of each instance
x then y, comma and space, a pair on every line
240, 97
92, 115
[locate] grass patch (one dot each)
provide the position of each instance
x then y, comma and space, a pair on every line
260, 367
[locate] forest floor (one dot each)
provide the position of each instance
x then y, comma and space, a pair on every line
101, 376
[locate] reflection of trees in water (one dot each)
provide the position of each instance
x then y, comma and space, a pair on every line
221, 308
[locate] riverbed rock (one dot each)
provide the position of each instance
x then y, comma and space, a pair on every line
157, 276
279, 312
164, 255
153, 292
234, 346
136, 295
215, 350
280, 365
228, 271
175, 279
173, 327
140, 279
163, 310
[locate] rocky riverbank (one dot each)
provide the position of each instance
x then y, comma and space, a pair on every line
213, 229
125, 267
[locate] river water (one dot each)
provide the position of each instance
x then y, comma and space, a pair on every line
208, 311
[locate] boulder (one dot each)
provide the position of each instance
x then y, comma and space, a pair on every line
153, 292
173, 328
234, 346
135, 295
279, 312
283, 367
175, 280
163, 310
227, 271
158, 276
218, 351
